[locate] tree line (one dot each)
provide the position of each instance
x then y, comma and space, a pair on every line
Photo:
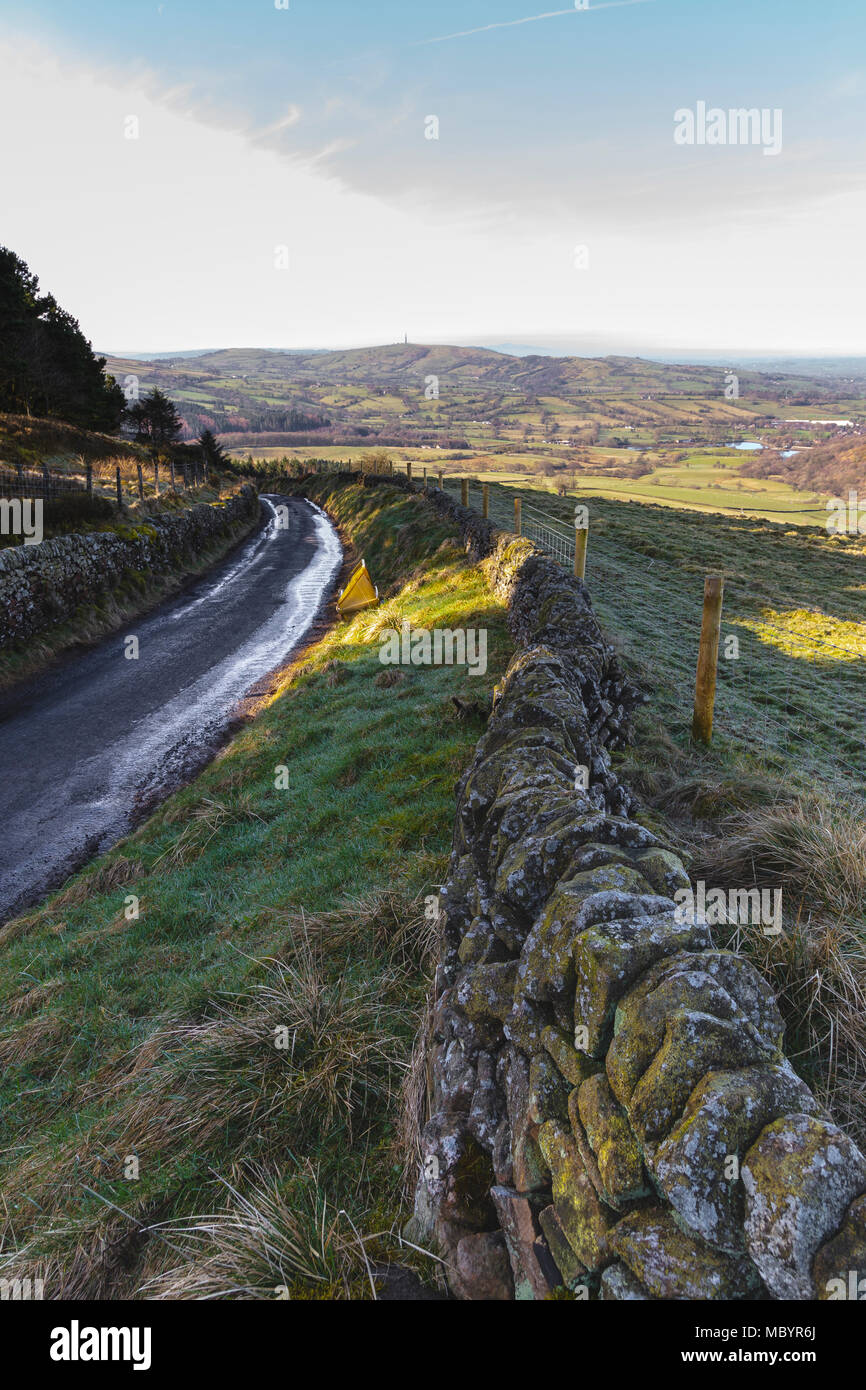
47, 366
48, 369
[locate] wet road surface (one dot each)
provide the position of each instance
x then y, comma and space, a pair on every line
102, 736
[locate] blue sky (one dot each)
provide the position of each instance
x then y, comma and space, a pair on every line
552, 133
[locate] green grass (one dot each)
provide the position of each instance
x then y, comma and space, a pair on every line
705, 482
795, 601
778, 798
259, 909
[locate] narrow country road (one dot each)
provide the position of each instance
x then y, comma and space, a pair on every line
102, 736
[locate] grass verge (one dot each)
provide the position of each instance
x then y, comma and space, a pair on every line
209, 1029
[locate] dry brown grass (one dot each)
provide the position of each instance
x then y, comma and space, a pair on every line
815, 851
335, 673
266, 1245
389, 677
33, 997
415, 1104
393, 923
33, 1042
201, 824
116, 873
98, 1263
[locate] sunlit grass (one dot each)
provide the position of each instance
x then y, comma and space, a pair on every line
259, 907
809, 635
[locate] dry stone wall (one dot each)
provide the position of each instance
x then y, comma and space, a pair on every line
610, 1106
43, 585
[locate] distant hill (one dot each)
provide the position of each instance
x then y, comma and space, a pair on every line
833, 468
401, 364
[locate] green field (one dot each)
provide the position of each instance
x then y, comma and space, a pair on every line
791, 702
711, 488
705, 481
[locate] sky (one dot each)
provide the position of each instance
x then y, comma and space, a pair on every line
336, 173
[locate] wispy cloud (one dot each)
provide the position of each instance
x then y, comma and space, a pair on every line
292, 116
532, 19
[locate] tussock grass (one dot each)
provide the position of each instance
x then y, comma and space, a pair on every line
299, 909
814, 849
267, 1243
111, 874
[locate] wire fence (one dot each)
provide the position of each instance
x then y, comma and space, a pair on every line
25, 482
780, 692
114, 482
552, 535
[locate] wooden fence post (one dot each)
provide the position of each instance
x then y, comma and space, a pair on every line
156, 476
440, 480
425, 477
140, 484
518, 517
581, 537
173, 476
409, 470
118, 485
708, 659
464, 491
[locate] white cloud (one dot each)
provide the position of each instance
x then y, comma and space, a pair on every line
291, 118
168, 242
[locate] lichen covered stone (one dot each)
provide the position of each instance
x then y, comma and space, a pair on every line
613, 1142
584, 1220
610, 956
800, 1177
697, 1167
839, 1269
671, 1265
